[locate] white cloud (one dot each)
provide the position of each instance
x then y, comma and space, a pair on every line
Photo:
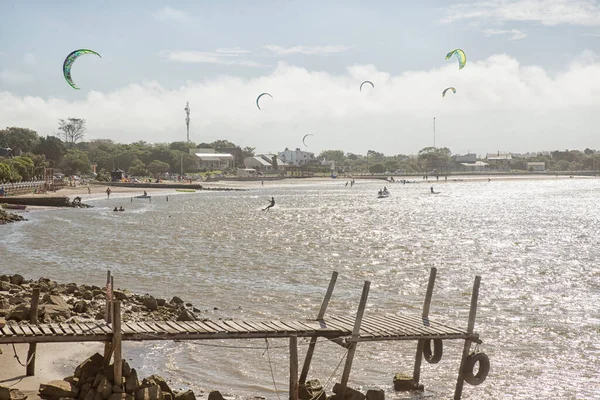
547, 12
29, 58
14, 77
221, 56
499, 104
171, 14
302, 49
513, 34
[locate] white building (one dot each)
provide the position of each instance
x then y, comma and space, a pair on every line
474, 166
210, 159
296, 157
536, 166
258, 163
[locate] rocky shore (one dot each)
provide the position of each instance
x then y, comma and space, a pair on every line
7, 218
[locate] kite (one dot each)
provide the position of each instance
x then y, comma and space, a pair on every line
369, 82
308, 134
69, 63
445, 90
462, 58
261, 95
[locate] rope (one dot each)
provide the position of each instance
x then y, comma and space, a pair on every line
19, 360
271, 368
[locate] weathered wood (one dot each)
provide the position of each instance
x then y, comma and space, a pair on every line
118, 364
355, 335
293, 367
313, 341
33, 318
424, 314
467, 347
107, 311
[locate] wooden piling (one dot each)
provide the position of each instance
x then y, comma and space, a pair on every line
320, 316
425, 315
118, 363
355, 336
33, 318
107, 311
472, 313
293, 367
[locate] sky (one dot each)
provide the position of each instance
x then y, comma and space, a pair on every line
531, 82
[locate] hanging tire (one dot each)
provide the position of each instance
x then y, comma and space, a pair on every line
469, 366
438, 348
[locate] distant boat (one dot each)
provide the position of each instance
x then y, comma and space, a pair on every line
186, 190
144, 196
13, 206
383, 196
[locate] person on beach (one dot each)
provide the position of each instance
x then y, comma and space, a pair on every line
108, 193
89, 190
432, 190
270, 205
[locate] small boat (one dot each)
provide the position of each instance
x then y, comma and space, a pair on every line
383, 196
13, 206
186, 190
144, 196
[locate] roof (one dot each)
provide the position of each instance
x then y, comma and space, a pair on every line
501, 156
475, 164
534, 163
214, 156
262, 161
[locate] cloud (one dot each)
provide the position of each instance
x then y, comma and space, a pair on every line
547, 12
29, 58
14, 77
220, 56
171, 14
499, 104
514, 34
302, 49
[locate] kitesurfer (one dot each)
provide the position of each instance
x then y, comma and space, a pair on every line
432, 190
272, 204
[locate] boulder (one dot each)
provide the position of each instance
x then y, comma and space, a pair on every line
56, 300
132, 383
185, 315
85, 388
176, 300
18, 313
375, 394
149, 393
161, 302
187, 395
91, 395
215, 395
349, 394
160, 381
168, 396
11, 394
80, 307
405, 383
119, 295
51, 311
120, 396
58, 389
104, 387
89, 368
87, 295
310, 389
5, 286
150, 303
17, 300
17, 279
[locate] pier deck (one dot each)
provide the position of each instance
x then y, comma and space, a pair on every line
373, 328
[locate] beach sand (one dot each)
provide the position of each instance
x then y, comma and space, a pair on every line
53, 361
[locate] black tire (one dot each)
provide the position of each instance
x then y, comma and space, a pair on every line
438, 349
469, 366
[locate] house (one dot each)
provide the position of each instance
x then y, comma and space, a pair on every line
499, 160
6, 152
536, 166
474, 166
297, 157
467, 158
210, 159
258, 163
269, 158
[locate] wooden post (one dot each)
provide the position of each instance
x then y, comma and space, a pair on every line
118, 363
355, 336
293, 367
425, 315
107, 311
313, 341
472, 313
33, 318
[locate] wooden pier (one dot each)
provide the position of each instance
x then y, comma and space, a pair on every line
346, 331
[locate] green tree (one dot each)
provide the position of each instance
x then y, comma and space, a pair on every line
333, 155
75, 162
52, 147
138, 168
377, 168
5, 172
72, 130
22, 138
182, 146
157, 167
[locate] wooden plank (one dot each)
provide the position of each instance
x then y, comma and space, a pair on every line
198, 327
248, 327
397, 328
57, 329
46, 330
235, 327
151, 328
127, 330
300, 330
190, 329
217, 328
365, 327
135, 327
36, 330
6, 331
117, 328
67, 328
176, 326
414, 328
257, 326
98, 328
75, 328
25, 330
282, 326
166, 328
204, 326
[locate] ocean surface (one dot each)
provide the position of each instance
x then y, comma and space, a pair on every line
535, 244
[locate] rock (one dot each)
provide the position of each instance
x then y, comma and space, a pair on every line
58, 389
51, 311
160, 381
119, 295
350, 394
91, 395
405, 383
150, 303
310, 389
89, 368
80, 307
104, 388
17, 300
168, 396
56, 300
70, 288
17, 279
44, 288
18, 313
176, 300
4, 393
4, 304
73, 380
375, 394
161, 302
117, 389
187, 395
87, 295
185, 315
99, 314
120, 396
5, 286
215, 395
84, 391
131, 382
11, 394
149, 393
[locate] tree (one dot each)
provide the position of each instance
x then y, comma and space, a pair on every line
21, 167
223, 144
274, 162
138, 168
436, 158
5, 172
377, 168
182, 146
158, 167
333, 155
75, 162
52, 147
22, 138
72, 130
248, 152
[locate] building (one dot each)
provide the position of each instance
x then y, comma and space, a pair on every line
474, 166
210, 159
269, 159
467, 158
536, 166
297, 158
6, 153
499, 160
257, 163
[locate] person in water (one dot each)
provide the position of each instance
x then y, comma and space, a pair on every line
115, 209
121, 208
270, 205
385, 190
145, 194
108, 193
432, 190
